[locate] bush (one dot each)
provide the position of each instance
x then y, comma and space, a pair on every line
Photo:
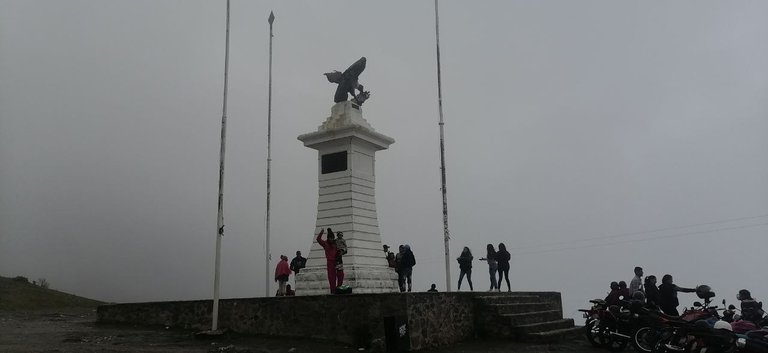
43, 283
21, 279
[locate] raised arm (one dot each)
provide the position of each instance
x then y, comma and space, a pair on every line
320, 240
685, 290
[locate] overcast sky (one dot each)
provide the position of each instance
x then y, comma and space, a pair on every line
588, 136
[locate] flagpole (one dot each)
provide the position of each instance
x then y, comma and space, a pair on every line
269, 156
220, 217
446, 233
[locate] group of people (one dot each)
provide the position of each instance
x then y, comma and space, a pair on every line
283, 272
664, 296
403, 263
335, 247
498, 262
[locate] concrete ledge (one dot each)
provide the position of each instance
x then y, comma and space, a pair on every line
401, 321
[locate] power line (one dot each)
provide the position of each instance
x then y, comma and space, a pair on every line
644, 239
628, 234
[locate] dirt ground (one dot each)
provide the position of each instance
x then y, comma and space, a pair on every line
76, 330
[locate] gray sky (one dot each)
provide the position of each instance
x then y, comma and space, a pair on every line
588, 136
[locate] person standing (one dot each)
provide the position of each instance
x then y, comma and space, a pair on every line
503, 258
399, 267
465, 266
668, 295
433, 288
493, 266
282, 272
329, 246
636, 284
409, 260
652, 295
298, 263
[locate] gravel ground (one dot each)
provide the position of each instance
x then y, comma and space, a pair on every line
75, 330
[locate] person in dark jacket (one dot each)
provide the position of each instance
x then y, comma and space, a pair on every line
652, 296
406, 267
613, 296
668, 295
493, 266
465, 266
623, 291
298, 263
751, 309
503, 257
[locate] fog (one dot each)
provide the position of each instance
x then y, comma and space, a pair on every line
589, 137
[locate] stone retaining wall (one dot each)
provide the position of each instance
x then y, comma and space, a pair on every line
405, 321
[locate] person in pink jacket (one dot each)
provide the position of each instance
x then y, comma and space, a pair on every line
335, 276
282, 272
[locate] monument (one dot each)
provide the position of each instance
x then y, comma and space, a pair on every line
346, 145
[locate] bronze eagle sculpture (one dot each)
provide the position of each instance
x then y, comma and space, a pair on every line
348, 83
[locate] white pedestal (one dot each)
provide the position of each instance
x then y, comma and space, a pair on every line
346, 145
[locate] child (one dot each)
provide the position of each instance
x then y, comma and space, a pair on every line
341, 244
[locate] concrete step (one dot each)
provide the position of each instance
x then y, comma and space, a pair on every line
543, 326
507, 299
554, 335
517, 308
533, 317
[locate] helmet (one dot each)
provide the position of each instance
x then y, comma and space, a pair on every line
704, 292
722, 325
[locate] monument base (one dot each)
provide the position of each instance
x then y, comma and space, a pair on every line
361, 278
391, 322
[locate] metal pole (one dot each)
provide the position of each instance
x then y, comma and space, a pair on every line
446, 233
269, 157
220, 218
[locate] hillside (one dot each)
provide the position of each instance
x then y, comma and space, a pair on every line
24, 296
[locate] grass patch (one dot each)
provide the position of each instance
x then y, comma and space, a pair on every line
16, 295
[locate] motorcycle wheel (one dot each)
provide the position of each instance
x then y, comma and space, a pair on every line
594, 334
645, 338
666, 344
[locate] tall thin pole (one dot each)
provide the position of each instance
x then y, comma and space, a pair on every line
446, 233
269, 156
220, 218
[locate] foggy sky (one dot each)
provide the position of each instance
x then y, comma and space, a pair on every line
589, 137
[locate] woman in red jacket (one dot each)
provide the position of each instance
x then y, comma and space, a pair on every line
282, 272
331, 255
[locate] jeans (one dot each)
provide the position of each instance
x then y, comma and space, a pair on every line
492, 268
469, 278
405, 276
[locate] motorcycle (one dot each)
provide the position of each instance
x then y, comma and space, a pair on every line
619, 324
592, 324
753, 342
696, 337
656, 325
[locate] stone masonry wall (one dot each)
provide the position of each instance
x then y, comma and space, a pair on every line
439, 319
431, 319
